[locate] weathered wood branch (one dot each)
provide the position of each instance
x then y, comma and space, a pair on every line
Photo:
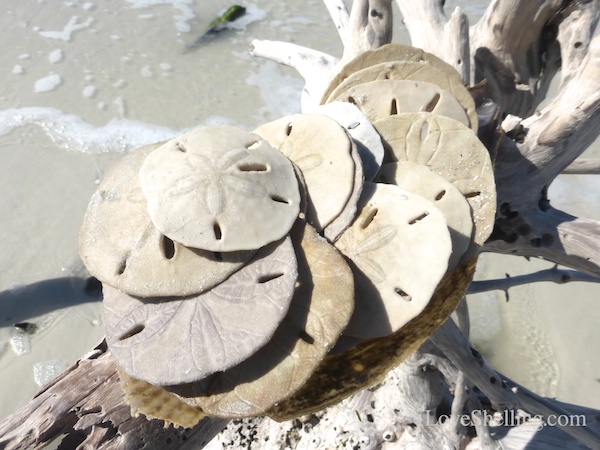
514, 48
550, 234
583, 167
553, 275
431, 30
370, 27
504, 393
85, 403
528, 162
317, 68
340, 18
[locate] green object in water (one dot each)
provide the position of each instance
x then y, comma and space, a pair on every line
233, 13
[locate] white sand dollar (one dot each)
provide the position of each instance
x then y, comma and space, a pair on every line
120, 246
322, 305
383, 98
166, 341
446, 197
367, 140
399, 246
220, 189
447, 79
323, 151
451, 150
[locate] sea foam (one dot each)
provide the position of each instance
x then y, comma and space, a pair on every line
71, 132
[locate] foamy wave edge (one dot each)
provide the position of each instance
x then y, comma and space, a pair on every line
72, 133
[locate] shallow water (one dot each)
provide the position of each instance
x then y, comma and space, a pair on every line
84, 81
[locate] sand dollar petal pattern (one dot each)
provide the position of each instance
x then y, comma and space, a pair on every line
451, 150
166, 341
383, 98
367, 140
445, 196
120, 246
447, 79
321, 308
386, 53
220, 189
399, 246
326, 162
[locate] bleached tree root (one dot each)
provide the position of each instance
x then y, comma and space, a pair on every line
85, 404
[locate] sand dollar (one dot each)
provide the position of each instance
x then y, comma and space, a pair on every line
399, 246
386, 53
121, 247
383, 98
451, 150
322, 305
166, 341
367, 364
367, 140
323, 151
449, 80
446, 197
220, 189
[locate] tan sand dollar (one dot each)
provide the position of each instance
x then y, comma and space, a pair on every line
166, 341
451, 150
399, 246
383, 98
446, 197
220, 189
120, 246
323, 151
368, 363
321, 308
387, 53
448, 80
367, 140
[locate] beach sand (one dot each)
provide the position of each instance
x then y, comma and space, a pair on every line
84, 82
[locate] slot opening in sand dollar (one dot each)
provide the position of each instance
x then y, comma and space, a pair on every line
253, 145
168, 247
394, 108
253, 167
269, 277
367, 220
137, 329
440, 196
419, 218
217, 231
429, 107
472, 194
424, 130
280, 199
403, 294
121, 268
307, 337
288, 130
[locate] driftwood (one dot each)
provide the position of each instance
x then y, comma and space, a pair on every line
517, 47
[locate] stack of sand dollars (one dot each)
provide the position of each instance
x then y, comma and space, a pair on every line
278, 271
